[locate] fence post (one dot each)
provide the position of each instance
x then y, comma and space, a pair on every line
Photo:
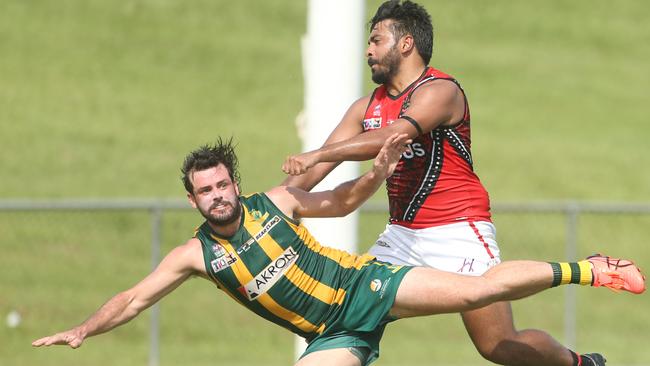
571, 252
154, 332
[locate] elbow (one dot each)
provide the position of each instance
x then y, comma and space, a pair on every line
127, 297
342, 209
343, 202
347, 209
350, 203
132, 307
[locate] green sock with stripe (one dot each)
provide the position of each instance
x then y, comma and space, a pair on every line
578, 273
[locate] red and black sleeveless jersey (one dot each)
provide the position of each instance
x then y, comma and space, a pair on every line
434, 182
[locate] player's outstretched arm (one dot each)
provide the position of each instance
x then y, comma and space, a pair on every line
174, 269
348, 127
346, 197
358, 148
436, 103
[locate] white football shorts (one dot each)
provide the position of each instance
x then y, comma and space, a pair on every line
468, 248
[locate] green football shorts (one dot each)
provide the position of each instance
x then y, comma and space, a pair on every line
360, 321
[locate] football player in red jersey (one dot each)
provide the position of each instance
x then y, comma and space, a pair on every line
439, 210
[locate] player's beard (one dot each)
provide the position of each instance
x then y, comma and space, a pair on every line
387, 66
226, 218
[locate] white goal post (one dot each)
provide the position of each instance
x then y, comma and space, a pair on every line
332, 54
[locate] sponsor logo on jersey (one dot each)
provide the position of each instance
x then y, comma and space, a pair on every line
244, 247
414, 150
223, 262
371, 123
270, 275
265, 230
376, 112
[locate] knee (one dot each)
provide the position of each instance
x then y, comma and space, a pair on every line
508, 348
494, 356
479, 297
491, 352
501, 348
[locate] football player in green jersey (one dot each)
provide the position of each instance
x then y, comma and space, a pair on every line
256, 250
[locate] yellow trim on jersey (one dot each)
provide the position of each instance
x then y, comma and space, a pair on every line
244, 276
344, 259
566, 273
315, 288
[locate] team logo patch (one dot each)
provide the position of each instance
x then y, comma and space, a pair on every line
218, 250
371, 123
270, 275
257, 215
375, 285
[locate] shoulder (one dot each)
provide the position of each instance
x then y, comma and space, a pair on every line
277, 193
438, 90
363, 101
360, 105
188, 255
432, 71
285, 198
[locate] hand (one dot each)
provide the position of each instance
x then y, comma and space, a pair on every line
299, 164
390, 154
72, 338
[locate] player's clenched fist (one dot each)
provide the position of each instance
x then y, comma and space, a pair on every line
299, 164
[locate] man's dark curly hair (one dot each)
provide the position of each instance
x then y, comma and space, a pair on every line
408, 18
210, 156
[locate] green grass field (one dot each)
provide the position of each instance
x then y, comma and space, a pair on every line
103, 99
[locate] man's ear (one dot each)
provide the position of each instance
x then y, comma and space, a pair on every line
406, 43
237, 188
190, 197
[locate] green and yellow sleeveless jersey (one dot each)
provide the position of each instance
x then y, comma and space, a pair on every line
274, 267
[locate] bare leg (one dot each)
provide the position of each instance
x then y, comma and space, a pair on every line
493, 332
426, 291
336, 356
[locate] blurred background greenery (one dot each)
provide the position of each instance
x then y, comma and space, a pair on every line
103, 99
